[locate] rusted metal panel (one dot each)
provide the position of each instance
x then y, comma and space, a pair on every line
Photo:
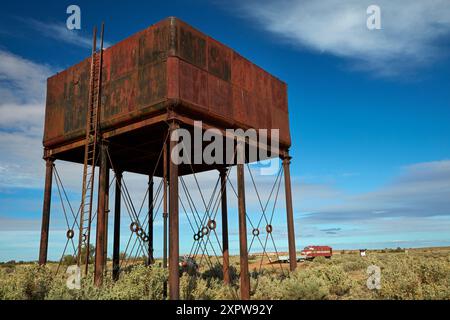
192, 45
168, 63
219, 60
119, 97
280, 121
279, 96
137, 72
173, 81
76, 93
244, 107
220, 97
263, 114
242, 73
121, 59
193, 85
134, 78
54, 114
266, 93
152, 84
154, 43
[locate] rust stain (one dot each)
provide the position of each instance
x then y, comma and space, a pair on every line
192, 46
219, 58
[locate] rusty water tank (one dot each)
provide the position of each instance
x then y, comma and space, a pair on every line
168, 66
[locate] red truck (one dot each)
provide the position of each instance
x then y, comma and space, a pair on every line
310, 252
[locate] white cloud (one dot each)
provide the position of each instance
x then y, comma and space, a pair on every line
410, 34
421, 190
59, 31
21, 80
414, 206
22, 107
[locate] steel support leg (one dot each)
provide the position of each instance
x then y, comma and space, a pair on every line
165, 213
106, 216
150, 221
225, 253
116, 244
101, 217
289, 212
174, 279
245, 280
46, 211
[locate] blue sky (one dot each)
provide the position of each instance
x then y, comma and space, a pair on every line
369, 112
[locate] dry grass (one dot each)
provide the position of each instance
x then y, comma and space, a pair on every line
414, 274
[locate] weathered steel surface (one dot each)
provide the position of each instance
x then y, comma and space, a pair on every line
100, 242
289, 213
106, 217
116, 242
46, 211
165, 212
150, 221
133, 83
225, 252
169, 64
174, 245
243, 249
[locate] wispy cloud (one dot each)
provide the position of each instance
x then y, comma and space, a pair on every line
421, 190
59, 32
21, 80
410, 35
22, 108
331, 230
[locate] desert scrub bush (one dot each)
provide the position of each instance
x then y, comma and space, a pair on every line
214, 290
267, 287
305, 285
435, 292
197, 288
187, 287
140, 283
216, 272
412, 277
399, 280
355, 265
433, 272
25, 283
338, 281
403, 276
137, 283
59, 290
435, 279
321, 260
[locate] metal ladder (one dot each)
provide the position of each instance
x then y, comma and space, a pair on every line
91, 140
